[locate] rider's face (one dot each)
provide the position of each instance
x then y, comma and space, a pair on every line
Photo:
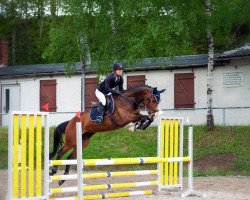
118, 72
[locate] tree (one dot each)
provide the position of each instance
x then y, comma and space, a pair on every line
210, 65
218, 20
131, 30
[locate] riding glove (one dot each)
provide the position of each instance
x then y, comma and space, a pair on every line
116, 92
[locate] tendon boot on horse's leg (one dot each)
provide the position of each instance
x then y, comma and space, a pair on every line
146, 124
140, 124
100, 110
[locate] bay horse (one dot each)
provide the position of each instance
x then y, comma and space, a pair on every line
127, 110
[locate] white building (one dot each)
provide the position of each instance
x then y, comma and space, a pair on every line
28, 88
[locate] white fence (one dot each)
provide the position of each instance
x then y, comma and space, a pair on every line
229, 116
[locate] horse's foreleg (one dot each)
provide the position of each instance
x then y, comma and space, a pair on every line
59, 156
146, 124
141, 123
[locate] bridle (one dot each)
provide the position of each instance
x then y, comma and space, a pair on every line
148, 101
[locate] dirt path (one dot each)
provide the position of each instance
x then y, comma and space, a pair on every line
215, 188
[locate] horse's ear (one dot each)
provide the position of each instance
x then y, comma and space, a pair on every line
161, 91
155, 90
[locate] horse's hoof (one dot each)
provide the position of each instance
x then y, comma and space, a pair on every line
61, 182
53, 171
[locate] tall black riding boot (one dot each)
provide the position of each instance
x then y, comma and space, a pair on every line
100, 109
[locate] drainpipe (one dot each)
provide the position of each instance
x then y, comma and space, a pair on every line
224, 116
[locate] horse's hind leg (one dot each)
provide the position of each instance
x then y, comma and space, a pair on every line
67, 168
60, 154
85, 141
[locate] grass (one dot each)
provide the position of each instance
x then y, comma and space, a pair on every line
121, 143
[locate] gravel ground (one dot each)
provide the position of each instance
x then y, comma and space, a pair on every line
216, 188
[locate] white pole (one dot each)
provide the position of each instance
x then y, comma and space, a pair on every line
10, 157
159, 149
181, 152
46, 156
79, 160
190, 167
190, 153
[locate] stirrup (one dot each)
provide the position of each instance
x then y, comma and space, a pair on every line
99, 120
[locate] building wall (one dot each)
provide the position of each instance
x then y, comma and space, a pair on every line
69, 94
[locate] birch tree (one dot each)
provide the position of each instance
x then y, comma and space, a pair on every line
210, 65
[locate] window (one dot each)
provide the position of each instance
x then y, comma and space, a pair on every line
135, 81
7, 100
184, 90
48, 94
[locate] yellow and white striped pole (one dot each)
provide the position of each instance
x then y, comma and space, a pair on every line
104, 175
108, 195
120, 161
103, 187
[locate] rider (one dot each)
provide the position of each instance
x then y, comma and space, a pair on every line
113, 80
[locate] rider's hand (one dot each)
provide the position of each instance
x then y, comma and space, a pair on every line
116, 92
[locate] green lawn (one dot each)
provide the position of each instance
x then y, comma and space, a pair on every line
121, 143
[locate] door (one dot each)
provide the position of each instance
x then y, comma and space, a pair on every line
184, 90
48, 94
10, 96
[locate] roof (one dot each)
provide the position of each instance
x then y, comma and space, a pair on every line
239, 52
186, 61
168, 63
178, 62
31, 70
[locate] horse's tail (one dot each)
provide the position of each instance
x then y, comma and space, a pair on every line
58, 141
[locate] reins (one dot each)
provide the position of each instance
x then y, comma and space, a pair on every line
130, 100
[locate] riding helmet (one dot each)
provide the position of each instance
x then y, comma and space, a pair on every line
117, 66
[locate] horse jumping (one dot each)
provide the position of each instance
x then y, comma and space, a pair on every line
127, 110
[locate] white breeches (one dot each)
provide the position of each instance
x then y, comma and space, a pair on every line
100, 96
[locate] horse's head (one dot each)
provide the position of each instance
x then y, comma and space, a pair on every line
152, 100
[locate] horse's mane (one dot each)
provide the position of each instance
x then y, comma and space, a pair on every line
137, 87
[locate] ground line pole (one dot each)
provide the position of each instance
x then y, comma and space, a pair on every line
79, 160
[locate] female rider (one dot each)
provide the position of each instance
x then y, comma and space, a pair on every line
113, 80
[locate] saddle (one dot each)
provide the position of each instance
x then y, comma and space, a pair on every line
109, 108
